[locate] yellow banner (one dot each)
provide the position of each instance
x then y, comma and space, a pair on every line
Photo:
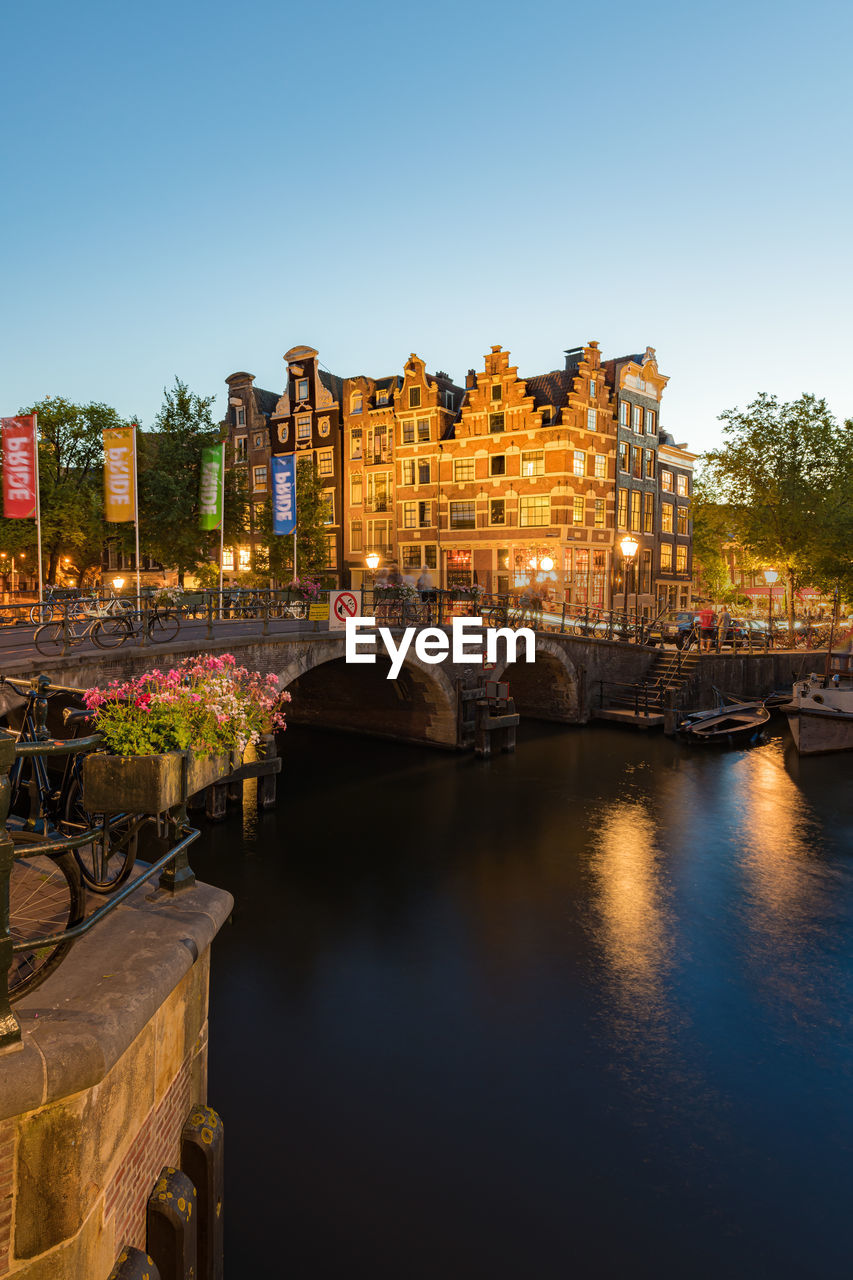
119, 480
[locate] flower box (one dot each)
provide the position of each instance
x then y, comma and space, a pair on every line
148, 784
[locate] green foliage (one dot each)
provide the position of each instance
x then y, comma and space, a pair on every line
311, 530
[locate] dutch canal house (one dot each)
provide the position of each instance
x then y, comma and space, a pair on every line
248, 448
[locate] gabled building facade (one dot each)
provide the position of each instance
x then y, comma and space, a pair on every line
368, 466
247, 433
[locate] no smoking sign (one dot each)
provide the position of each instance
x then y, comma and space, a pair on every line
343, 605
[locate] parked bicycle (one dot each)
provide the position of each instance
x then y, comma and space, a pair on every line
160, 626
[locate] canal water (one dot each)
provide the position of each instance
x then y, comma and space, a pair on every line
582, 1011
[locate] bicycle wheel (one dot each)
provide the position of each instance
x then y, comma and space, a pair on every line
97, 873
109, 633
46, 896
50, 638
41, 613
163, 626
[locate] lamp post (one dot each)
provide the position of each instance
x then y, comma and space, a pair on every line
770, 576
629, 547
372, 562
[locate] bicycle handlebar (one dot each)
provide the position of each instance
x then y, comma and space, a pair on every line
27, 687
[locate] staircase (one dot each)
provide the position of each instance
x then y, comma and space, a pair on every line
642, 703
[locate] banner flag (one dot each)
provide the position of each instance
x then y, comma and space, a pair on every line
284, 493
20, 499
210, 488
119, 480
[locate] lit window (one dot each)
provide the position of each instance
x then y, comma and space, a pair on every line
497, 465
622, 510
682, 521
666, 481
590, 419
666, 517
682, 489
599, 513
325, 462
624, 456
245, 558
423, 430
650, 463
241, 448
533, 463
638, 463
301, 388
635, 510
327, 506
410, 515
497, 511
228, 559
463, 515
578, 463
534, 511
414, 397
409, 431
356, 536
259, 477
600, 471
303, 429
638, 418
577, 510
666, 555
408, 471
648, 513
355, 489
331, 552
496, 422
681, 559
463, 470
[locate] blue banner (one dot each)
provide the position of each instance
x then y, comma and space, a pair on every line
283, 493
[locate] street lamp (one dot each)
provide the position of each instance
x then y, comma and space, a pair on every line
629, 546
770, 576
118, 583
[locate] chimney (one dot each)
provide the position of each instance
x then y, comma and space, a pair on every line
470, 379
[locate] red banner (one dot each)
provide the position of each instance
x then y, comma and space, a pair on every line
19, 467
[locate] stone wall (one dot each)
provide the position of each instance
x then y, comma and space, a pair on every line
93, 1101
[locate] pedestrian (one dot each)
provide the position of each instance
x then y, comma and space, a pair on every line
707, 624
408, 579
394, 579
425, 584
723, 628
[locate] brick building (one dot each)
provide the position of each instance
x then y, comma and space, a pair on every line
248, 447
368, 466
674, 560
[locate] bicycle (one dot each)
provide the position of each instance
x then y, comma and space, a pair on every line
161, 626
55, 598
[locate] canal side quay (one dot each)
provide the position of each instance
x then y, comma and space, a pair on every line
573, 680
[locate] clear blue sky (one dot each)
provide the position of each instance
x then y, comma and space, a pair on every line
193, 188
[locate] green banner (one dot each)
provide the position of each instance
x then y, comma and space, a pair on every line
210, 491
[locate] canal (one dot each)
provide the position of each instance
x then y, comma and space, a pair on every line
580, 1011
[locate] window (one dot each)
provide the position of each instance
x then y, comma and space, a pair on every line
259, 477
650, 464
534, 511
283, 432
666, 555
449, 400
240, 417
423, 471
496, 391
648, 513
303, 429
666, 481
331, 552
325, 462
682, 521
624, 456
409, 431
635, 510
592, 388
423, 430
408, 471
624, 411
681, 559
244, 558
355, 444
377, 490
241, 449
463, 470
301, 388
533, 462
414, 397
497, 511
355, 489
356, 402
228, 559
666, 517
424, 515
638, 463
590, 419
356, 536
323, 426
600, 468
381, 397
327, 506
682, 489
410, 515
379, 535
410, 555
497, 465
496, 423
599, 513
651, 418
622, 510
463, 515
577, 510
638, 418
259, 440
578, 463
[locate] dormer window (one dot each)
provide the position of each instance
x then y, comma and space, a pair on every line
356, 402
240, 415
381, 397
592, 388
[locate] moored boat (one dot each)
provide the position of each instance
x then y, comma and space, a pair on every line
820, 713
729, 722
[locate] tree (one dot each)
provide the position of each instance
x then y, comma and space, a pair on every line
70, 485
169, 474
774, 473
311, 528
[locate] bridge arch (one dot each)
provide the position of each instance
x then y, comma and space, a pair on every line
419, 706
547, 689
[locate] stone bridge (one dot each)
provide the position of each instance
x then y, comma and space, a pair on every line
419, 706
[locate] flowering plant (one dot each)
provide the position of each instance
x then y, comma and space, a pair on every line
169, 596
207, 703
309, 588
474, 591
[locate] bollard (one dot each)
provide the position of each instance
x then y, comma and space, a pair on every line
171, 1226
203, 1161
133, 1264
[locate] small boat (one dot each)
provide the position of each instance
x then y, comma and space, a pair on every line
728, 722
820, 712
